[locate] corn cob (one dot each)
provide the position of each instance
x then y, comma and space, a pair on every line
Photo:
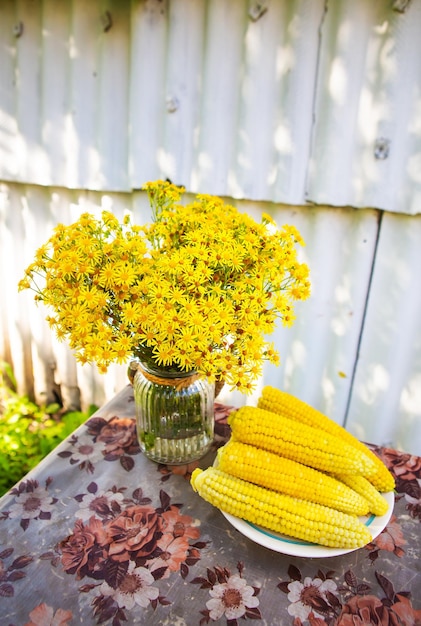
285, 404
278, 512
298, 442
289, 477
377, 503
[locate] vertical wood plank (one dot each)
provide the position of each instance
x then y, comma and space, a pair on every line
318, 352
367, 136
30, 156
147, 88
9, 29
386, 400
112, 96
56, 91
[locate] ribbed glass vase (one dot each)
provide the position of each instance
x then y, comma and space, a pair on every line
174, 414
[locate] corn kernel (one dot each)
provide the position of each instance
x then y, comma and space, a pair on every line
378, 505
279, 512
270, 470
285, 404
298, 442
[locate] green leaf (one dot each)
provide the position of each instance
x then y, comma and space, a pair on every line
6, 367
52, 408
28, 432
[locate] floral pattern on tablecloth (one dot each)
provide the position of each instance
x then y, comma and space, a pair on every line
322, 601
45, 615
12, 570
230, 595
121, 545
32, 502
110, 440
122, 540
407, 471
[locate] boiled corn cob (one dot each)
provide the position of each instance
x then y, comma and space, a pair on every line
378, 505
285, 404
298, 442
289, 477
281, 513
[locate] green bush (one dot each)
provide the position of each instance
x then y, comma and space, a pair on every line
28, 432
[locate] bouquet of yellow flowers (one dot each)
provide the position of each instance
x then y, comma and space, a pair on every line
197, 289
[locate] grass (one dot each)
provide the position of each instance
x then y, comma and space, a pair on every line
28, 432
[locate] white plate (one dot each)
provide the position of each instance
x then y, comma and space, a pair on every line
296, 547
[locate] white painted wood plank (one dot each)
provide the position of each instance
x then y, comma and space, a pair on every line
274, 123
318, 352
386, 400
147, 89
112, 98
81, 136
221, 94
8, 120
183, 85
368, 89
19, 315
84, 107
56, 91
30, 157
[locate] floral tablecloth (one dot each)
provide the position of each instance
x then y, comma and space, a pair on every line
98, 534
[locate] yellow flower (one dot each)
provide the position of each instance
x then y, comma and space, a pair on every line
164, 354
24, 283
130, 312
90, 295
186, 339
124, 273
267, 219
110, 220
200, 287
106, 276
122, 348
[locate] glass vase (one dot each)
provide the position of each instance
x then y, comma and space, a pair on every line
174, 414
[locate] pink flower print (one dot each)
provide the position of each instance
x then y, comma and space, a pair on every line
134, 588
391, 538
180, 470
364, 610
136, 531
405, 611
119, 437
231, 599
43, 615
406, 467
174, 552
83, 552
179, 525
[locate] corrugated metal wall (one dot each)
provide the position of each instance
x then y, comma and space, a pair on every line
308, 110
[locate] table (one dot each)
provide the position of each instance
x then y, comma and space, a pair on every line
98, 534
